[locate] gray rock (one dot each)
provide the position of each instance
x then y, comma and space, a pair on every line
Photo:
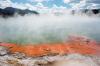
18, 55
3, 50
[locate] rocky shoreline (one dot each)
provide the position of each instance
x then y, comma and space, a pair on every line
19, 59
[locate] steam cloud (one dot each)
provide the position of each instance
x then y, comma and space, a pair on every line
47, 28
74, 60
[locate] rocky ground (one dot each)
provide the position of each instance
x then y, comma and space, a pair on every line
19, 59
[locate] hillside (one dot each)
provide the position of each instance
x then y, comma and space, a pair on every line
10, 11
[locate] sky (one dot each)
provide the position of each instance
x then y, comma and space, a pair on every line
49, 4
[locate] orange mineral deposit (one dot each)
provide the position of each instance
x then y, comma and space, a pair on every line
80, 46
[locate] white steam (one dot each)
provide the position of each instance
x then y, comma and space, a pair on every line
73, 60
47, 28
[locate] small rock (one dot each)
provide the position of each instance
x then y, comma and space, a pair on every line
18, 55
3, 50
14, 63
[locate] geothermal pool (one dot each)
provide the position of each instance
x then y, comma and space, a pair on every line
47, 28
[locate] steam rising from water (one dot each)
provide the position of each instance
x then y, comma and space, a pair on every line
47, 28
74, 60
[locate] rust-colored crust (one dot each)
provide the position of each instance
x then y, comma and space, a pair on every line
73, 46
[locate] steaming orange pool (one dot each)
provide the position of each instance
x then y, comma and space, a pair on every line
75, 45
